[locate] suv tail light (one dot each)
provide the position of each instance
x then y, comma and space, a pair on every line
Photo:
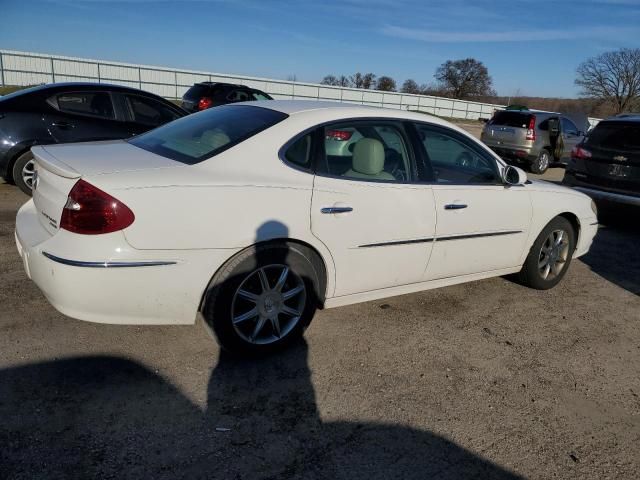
204, 103
531, 129
339, 135
580, 153
90, 211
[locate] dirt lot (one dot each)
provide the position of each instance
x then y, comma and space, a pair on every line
484, 380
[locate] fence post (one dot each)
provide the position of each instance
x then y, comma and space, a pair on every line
1, 70
53, 72
98, 65
139, 79
175, 77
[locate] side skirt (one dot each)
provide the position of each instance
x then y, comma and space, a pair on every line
414, 287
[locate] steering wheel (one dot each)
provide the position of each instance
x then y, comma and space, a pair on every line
465, 159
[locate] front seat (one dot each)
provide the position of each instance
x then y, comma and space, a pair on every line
368, 161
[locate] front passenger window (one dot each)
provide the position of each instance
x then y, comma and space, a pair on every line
454, 159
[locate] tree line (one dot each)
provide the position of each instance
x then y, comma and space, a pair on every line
609, 83
464, 79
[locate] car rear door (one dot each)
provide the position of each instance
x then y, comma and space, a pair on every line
482, 225
81, 116
368, 208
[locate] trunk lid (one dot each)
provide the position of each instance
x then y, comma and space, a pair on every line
508, 129
59, 167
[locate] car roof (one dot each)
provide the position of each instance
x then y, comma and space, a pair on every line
80, 86
291, 107
624, 117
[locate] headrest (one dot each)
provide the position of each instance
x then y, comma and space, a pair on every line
368, 156
214, 138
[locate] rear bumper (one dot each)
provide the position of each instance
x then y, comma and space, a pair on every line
598, 193
609, 196
111, 282
516, 154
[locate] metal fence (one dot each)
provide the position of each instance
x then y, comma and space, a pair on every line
24, 68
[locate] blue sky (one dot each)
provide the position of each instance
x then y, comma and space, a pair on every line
531, 47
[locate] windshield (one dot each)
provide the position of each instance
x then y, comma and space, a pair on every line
203, 135
615, 136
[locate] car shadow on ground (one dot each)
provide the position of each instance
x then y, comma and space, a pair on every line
107, 417
615, 253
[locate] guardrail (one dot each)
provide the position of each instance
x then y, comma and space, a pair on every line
26, 68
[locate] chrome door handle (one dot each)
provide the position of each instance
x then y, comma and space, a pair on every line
336, 209
455, 206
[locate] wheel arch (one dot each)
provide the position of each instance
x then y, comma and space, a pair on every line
319, 264
575, 223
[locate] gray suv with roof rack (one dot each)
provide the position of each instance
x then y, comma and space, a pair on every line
534, 138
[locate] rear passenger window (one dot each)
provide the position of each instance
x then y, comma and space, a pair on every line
454, 159
299, 153
97, 104
239, 96
369, 151
150, 112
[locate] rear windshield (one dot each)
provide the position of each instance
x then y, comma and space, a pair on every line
203, 135
197, 91
511, 119
615, 136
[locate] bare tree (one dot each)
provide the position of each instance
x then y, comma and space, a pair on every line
330, 80
466, 78
386, 84
359, 80
613, 77
410, 86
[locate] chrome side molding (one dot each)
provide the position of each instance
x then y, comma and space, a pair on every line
107, 264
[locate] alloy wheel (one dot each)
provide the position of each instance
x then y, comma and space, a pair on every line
553, 254
268, 304
543, 161
27, 173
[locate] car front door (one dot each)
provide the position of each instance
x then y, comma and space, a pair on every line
83, 116
367, 207
570, 138
482, 225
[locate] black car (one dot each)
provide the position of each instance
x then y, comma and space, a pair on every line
606, 165
210, 94
72, 112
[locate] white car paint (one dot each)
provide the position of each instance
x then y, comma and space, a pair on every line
194, 218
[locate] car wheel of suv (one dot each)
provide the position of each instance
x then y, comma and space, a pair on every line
541, 164
23, 171
263, 299
550, 255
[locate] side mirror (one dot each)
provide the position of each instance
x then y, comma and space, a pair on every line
514, 176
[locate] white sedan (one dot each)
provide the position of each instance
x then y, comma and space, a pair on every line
254, 215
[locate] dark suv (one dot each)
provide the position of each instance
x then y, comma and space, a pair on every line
210, 94
606, 165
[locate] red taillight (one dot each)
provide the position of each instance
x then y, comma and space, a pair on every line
531, 129
90, 211
579, 152
204, 103
340, 135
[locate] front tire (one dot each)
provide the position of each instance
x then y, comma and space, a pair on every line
263, 299
541, 164
550, 255
23, 170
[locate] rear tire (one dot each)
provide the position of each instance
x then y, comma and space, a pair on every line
550, 255
263, 299
23, 170
541, 164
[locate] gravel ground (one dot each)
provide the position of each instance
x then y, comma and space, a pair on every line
484, 380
